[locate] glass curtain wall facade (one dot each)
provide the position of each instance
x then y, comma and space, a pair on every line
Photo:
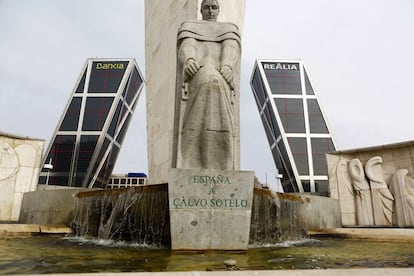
294, 123
88, 138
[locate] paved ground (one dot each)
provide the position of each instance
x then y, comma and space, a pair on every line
327, 272
28, 229
382, 234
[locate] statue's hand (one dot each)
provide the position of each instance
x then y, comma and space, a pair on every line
227, 74
191, 67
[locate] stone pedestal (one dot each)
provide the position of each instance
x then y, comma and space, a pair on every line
210, 209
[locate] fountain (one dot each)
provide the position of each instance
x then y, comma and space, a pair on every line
141, 215
134, 229
276, 218
136, 215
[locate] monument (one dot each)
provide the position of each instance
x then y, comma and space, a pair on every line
374, 186
208, 76
160, 75
205, 188
20, 158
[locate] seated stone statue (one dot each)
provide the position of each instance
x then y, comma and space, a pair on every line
208, 81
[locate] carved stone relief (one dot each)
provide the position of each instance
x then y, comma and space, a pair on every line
19, 172
362, 193
9, 162
402, 188
346, 194
376, 202
382, 199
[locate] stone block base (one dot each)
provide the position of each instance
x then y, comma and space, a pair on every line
210, 209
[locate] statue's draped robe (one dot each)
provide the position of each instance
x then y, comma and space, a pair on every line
362, 191
382, 198
402, 187
207, 116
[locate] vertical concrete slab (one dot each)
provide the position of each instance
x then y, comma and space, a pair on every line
19, 172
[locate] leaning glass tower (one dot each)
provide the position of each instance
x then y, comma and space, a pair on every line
294, 123
89, 135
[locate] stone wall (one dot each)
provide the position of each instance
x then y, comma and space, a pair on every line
320, 212
137, 215
278, 217
163, 18
48, 207
20, 159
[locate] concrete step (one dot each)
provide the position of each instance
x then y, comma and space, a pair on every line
14, 229
383, 234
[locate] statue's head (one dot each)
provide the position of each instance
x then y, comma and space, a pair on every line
210, 10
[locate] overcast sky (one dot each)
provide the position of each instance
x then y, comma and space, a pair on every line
358, 54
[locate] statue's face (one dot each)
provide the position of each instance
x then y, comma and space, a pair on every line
210, 10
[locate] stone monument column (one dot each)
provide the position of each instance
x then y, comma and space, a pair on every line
162, 21
210, 200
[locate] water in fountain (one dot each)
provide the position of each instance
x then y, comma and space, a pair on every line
137, 215
275, 218
140, 215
